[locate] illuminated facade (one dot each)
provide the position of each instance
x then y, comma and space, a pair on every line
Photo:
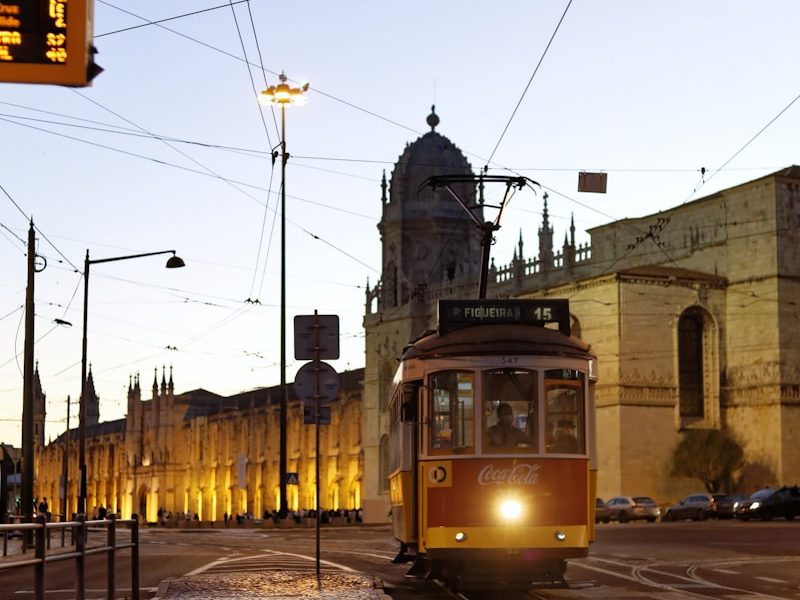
204, 454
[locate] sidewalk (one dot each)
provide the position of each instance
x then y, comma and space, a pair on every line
272, 585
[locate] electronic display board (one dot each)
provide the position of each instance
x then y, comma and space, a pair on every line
460, 313
46, 41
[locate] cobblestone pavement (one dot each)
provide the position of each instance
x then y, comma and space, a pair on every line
288, 585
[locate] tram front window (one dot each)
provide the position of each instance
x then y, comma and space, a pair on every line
509, 410
452, 410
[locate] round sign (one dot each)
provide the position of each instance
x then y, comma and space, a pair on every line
316, 379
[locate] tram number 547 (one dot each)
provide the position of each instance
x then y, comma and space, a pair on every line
509, 360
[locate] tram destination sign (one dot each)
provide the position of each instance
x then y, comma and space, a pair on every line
46, 41
454, 314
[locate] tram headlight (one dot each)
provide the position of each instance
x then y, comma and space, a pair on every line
510, 510
461, 536
560, 536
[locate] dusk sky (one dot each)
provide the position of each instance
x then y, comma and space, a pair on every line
169, 149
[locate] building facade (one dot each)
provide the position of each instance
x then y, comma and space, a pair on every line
692, 312
202, 454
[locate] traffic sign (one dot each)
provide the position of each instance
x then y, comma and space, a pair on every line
316, 380
316, 337
292, 479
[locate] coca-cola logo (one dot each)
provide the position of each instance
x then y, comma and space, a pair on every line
523, 474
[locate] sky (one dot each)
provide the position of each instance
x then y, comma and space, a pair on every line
170, 149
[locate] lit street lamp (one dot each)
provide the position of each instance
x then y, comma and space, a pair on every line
284, 95
173, 263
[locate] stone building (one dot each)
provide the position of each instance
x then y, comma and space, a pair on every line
205, 454
693, 314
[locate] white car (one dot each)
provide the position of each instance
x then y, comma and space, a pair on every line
631, 508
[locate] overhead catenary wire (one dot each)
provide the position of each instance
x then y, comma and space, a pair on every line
530, 81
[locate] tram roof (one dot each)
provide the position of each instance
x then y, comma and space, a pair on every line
497, 339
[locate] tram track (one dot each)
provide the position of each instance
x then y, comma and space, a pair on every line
680, 577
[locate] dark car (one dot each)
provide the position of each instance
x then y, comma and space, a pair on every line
629, 508
696, 507
601, 511
725, 505
770, 502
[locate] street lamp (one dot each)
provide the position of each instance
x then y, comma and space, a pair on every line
174, 262
283, 95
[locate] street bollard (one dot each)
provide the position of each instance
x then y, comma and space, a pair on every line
112, 553
39, 550
135, 557
80, 560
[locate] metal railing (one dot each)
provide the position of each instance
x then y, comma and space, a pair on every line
79, 529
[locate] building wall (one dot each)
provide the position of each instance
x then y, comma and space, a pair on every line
735, 257
220, 458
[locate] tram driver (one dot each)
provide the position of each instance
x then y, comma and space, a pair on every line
504, 434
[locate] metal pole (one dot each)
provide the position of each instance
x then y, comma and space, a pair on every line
82, 405
316, 421
65, 474
284, 508
135, 557
39, 552
80, 559
111, 556
27, 394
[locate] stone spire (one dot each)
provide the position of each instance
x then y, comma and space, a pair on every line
384, 185
39, 408
92, 402
545, 240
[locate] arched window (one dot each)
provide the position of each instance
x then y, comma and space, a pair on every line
383, 473
690, 365
698, 369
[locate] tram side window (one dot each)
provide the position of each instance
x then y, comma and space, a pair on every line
509, 405
565, 409
452, 410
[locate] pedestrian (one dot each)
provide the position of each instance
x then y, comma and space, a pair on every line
225, 518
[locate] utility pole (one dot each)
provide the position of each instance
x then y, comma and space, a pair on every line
27, 390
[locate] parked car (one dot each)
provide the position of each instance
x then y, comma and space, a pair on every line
601, 511
725, 505
629, 508
696, 507
770, 502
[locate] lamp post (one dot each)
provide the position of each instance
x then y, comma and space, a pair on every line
283, 95
173, 263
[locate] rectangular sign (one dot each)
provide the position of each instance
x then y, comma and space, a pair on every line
454, 314
316, 337
45, 41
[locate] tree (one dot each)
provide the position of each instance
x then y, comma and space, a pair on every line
709, 455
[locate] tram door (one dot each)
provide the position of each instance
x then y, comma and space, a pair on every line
410, 411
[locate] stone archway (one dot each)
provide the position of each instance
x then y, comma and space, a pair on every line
141, 502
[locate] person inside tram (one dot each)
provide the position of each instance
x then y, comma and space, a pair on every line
564, 440
504, 434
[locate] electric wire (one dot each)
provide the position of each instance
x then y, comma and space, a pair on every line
181, 16
530, 81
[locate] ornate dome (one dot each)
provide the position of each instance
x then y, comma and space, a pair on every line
431, 154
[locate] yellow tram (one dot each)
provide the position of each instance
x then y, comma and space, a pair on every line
493, 457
